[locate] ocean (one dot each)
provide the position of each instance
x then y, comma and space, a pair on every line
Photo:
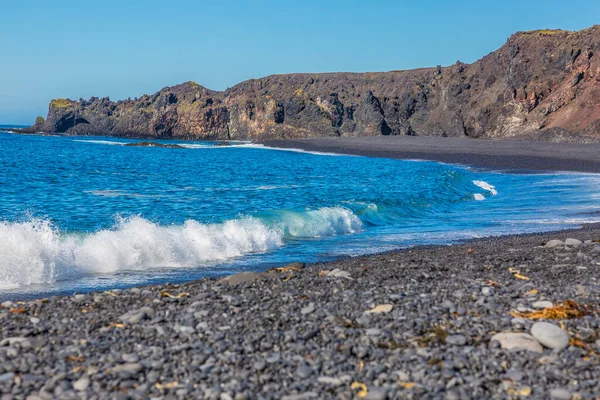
79, 213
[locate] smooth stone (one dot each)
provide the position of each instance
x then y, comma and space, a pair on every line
308, 309
7, 377
376, 393
304, 371
517, 341
515, 375
136, 316
81, 384
130, 358
456, 340
301, 396
550, 335
24, 342
244, 277
487, 291
326, 380
380, 309
540, 305
128, 368
560, 394
573, 242
34, 320
554, 243
373, 331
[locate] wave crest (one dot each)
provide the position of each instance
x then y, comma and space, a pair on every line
36, 252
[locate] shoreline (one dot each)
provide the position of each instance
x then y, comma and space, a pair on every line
407, 324
215, 279
508, 155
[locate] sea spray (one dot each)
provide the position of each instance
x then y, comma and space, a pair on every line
35, 251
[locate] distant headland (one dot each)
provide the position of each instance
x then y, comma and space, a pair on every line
540, 85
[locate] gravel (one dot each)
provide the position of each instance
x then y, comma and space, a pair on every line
408, 324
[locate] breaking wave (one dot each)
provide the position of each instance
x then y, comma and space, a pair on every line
35, 251
486, 186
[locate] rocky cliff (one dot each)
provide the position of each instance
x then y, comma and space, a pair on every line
540, 85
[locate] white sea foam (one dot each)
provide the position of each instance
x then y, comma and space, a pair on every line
479, 197
486, 186
36, 252
109, 142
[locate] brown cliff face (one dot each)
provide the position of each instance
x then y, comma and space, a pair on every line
541, 85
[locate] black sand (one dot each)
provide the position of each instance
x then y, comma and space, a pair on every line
537, 156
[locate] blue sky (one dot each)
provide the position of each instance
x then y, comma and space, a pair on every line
127, 48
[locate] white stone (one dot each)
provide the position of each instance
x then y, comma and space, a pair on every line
517, 341
555, 243
560, 394
542, 304
573, 242
308, 309
550, 335
81, 384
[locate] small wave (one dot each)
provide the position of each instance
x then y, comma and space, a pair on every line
109, 142
479, 197
37, 252
486, 186
120, 193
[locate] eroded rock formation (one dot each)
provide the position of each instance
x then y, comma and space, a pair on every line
541, 85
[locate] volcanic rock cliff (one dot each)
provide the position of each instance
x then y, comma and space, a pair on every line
540, 85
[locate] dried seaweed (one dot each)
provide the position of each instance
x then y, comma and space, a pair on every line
568, 309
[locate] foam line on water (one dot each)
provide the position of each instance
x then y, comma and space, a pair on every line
37, 252
486, 186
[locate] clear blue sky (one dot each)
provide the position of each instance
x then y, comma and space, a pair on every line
127, 48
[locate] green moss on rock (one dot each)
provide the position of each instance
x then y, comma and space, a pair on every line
61, 103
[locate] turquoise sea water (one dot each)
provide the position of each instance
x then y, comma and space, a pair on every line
80, 213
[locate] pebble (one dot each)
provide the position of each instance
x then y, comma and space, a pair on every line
81, 384
34, 320
308, 309
550, 335
456, 340
330, 381
487, 291
554, 243
243, 277
517, 341
573, 242
515, 375
302, 396
136, 316
7, 377
380, 309
560, 394
376, 393
128, 368
304, 371
540, 305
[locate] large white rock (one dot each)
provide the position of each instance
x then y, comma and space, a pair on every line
555, 243
573, 242
550, 335
517, 341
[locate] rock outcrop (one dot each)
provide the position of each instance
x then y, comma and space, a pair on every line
541, 85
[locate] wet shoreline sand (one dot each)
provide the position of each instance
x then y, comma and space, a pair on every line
510, 155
